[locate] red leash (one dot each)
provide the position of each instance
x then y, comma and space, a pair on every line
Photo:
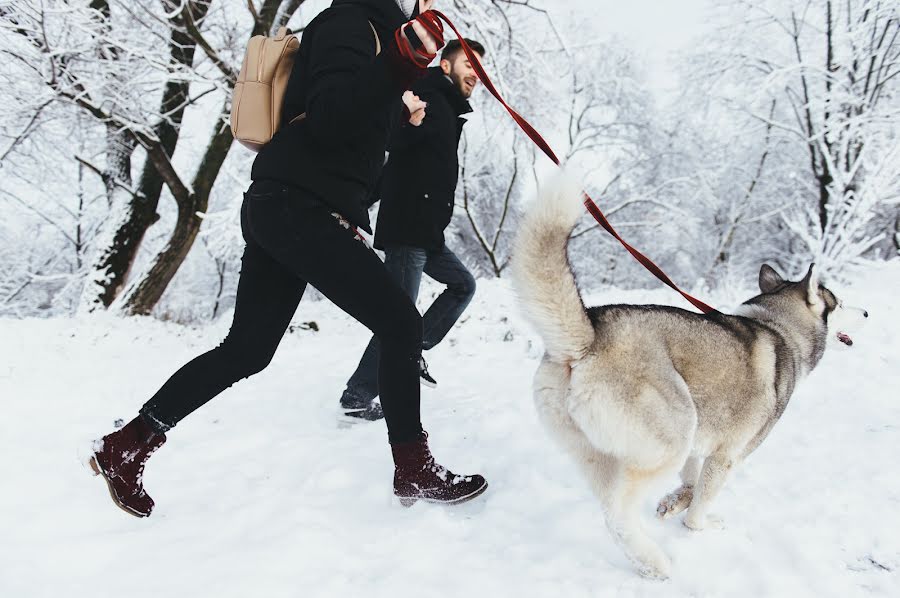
430, 20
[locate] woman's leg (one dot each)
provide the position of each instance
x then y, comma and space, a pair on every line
324, 250
405, 265
267, 297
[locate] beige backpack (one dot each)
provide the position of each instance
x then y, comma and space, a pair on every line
261, 85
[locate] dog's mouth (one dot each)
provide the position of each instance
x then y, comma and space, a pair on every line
845, 338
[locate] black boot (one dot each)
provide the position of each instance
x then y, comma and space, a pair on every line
418, 477
120, 457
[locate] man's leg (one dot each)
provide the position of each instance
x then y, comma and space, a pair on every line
405, 265
445, 267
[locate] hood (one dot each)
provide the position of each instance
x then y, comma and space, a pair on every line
384, 14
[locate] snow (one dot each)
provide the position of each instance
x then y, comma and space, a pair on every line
261, 493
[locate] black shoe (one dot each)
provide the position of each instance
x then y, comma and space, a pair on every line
426, 378
371, 413
359, 408
351, 402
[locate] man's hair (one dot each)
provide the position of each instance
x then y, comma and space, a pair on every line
453, 47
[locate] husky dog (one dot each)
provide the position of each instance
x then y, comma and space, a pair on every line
635, 391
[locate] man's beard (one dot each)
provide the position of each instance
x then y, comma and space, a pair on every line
460, 82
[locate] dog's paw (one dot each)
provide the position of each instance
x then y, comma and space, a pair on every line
658, 571
704, 522
674, 503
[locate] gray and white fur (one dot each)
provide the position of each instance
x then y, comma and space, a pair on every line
633, 392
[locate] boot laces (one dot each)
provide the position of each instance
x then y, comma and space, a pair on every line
443, 473
142, 463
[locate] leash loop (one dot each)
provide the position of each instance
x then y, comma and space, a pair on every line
418, 55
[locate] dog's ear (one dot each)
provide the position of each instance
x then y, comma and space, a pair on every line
810, 282
769, 279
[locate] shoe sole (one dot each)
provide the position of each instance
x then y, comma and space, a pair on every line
95, 467
408, 501
354, 417
428, 384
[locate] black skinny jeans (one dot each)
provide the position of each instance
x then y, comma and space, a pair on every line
294, 240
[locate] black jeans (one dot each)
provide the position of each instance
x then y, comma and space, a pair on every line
294, 240
406, 264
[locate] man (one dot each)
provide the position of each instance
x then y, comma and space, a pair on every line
417, 194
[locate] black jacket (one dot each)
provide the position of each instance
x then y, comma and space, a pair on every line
352, 100
419, 180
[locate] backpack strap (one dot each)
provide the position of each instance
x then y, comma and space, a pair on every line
377, 41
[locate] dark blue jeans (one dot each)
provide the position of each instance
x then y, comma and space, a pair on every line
406, 265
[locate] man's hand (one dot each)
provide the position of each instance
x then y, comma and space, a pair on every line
416, 108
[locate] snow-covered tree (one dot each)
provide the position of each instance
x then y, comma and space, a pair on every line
820, 77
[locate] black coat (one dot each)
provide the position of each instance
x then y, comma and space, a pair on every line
419, 180
352, 101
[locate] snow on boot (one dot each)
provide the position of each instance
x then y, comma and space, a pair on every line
418, 477
120, 457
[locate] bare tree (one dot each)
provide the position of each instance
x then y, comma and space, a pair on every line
832, 68
106, 60
487, 203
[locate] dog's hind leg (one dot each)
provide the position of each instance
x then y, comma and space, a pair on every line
622, 502
551, 384
712, 477
679, 499
606, 475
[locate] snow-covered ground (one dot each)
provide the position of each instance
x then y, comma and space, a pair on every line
261, 493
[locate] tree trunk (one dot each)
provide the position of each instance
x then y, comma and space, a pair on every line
141, 299
143, 296
897, 233
140, 213
104, 282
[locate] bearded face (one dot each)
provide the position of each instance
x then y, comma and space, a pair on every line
460, 71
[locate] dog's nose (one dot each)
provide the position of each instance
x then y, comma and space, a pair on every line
865, 314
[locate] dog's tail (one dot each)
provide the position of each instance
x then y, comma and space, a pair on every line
542, 275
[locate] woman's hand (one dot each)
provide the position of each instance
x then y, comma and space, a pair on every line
416, 108
429, 42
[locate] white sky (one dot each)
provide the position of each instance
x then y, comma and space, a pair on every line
654, 29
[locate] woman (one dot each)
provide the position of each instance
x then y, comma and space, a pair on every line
310, 189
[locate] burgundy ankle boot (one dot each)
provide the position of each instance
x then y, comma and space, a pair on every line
418, 477
120, 457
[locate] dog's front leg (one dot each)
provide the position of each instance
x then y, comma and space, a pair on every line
712, 477
678, 500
